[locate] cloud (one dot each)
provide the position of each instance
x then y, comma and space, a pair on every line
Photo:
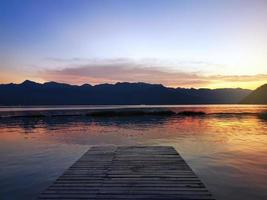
97, 71
242, 78
170, 64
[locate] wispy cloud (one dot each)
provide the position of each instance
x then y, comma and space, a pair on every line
97, 71
142, 62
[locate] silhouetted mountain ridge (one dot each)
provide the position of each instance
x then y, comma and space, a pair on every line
258, 96
121, 93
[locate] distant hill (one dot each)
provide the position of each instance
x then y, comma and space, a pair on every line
52, 93
258, 96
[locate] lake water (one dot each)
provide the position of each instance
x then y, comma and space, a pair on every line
226, 148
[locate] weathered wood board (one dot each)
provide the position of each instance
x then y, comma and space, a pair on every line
128, 172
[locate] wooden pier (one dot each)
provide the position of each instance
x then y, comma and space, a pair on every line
128, 172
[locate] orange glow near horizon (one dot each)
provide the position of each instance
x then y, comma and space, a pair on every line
5, 79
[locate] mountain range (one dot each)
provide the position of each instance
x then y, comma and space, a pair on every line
258, 96
53, 93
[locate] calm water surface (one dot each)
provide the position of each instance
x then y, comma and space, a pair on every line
226, 148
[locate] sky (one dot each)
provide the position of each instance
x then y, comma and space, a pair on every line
177, 43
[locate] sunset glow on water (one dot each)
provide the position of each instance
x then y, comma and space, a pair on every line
181, 73
227, 151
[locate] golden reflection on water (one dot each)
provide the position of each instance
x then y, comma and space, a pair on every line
227, 152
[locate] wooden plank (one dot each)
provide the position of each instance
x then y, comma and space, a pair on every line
128, 172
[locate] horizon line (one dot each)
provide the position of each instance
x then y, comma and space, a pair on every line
79, 85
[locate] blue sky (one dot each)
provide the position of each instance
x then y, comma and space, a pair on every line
201, 43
